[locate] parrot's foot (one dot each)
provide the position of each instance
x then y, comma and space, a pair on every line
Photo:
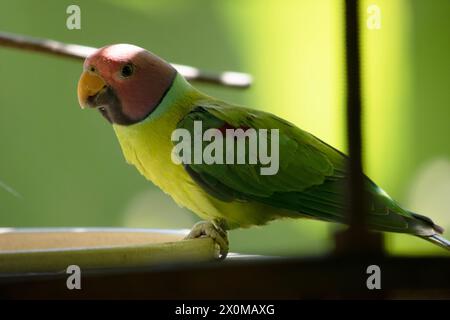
213, 230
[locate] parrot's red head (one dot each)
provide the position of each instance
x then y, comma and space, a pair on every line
125, 82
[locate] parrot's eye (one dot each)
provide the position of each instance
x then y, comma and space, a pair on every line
127, 70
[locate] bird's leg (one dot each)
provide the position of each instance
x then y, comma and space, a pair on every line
215, 229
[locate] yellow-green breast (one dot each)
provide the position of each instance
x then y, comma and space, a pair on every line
147, 145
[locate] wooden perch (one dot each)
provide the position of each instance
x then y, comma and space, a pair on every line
79, 52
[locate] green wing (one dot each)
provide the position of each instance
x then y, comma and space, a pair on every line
311, 179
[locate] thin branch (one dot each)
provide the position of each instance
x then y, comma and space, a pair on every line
79, 52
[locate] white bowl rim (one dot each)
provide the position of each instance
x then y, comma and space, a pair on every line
92, 229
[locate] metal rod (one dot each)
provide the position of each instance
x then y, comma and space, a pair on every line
356, 197
79, 52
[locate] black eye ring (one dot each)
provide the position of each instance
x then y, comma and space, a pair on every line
127, 70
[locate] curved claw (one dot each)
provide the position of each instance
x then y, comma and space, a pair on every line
212, 230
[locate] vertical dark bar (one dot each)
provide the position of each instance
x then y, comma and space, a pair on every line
356, 200
357, 239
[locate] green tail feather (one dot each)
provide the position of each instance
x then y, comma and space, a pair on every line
437, 228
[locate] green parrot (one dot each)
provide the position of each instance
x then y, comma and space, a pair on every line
146, 101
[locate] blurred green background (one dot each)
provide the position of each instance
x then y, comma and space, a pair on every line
63, 167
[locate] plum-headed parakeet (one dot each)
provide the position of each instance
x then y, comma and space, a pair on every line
146, 101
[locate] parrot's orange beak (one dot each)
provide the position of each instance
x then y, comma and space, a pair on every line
89, 85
